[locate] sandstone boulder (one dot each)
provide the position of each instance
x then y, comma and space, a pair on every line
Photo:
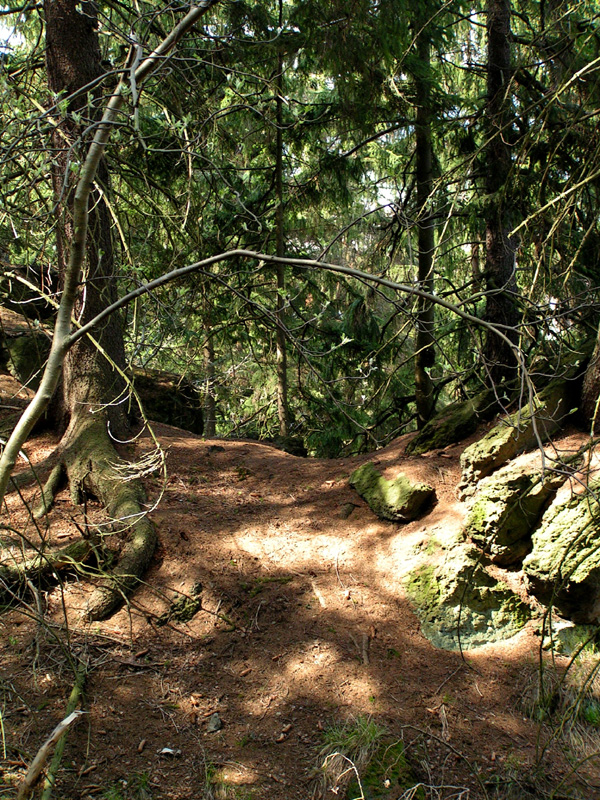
398, 500
515, 434
563, 567
506, 509
460, 605
454, 423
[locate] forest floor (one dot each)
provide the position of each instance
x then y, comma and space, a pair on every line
304, 626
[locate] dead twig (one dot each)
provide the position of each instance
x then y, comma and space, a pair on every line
37, 765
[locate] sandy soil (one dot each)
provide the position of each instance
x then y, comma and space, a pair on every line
304, 625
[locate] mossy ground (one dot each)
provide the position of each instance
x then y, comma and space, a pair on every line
387, 775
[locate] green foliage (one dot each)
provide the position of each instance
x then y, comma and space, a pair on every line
193, 174
360, 760
135, 787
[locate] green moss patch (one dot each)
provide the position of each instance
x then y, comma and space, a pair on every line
564, 565
24, 357
454, 423
460, 604
515, 434
506, 510
387, 775
398, 500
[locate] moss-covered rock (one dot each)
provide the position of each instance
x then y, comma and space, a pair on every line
24, 356
461, 605
515, 434
294, 445
170, 399
454, 423
184, 608
569, 639
563, 567
397, 500
166, 398
506, 509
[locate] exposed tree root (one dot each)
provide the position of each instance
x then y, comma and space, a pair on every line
92, 467
42, 564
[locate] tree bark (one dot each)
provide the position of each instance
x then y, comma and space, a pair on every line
210, 404
499, 271
90, 381
425, 352
282, 384
89, 403
590, 393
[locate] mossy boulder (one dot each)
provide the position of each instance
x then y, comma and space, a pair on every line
24, 355
19, 297
515, 434
398, 500
294, 445
460, 605
563, 567
506, 509
170, 399
166, 398
569, 639
454, 423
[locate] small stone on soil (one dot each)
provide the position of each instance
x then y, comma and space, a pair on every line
215, 723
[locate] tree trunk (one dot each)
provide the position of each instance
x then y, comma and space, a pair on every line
499, 272
210, 404
90, 397
90, 382
282, 387
590, 392
425, 352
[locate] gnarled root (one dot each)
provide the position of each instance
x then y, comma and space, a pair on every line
67, 558
92, 467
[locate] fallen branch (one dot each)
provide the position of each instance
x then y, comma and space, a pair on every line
76, 691
71, 556
38, 763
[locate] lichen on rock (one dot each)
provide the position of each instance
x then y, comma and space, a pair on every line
515, 434
24, 357
397, 500
460, 605
506, 509
454, 423
564, 565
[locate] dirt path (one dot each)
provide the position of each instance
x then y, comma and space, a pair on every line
304, 625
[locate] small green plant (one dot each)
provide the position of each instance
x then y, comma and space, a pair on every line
568, 701
360, 760
136, 787
590, 712
347, 751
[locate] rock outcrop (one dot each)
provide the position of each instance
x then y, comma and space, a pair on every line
24, 355
454, 423
506, 509
170, 399
166, 397
515, 434
460, 605
563, 567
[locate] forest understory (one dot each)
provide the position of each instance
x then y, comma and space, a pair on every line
303, 627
